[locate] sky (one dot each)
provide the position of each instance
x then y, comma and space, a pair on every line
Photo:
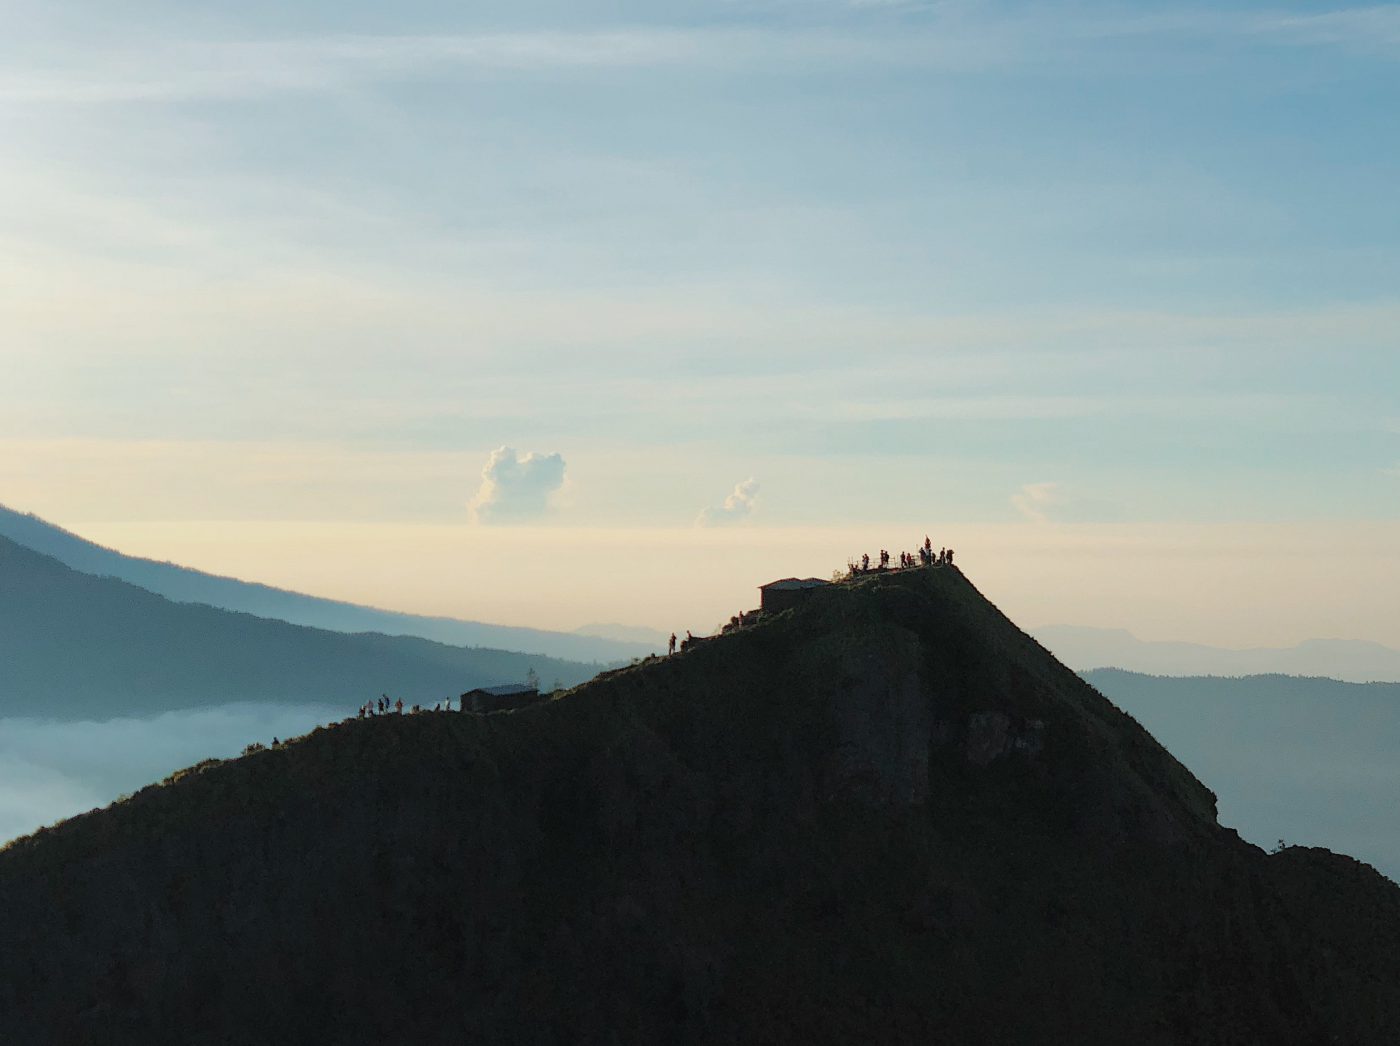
551, 313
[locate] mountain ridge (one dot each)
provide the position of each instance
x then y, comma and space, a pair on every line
887, 815
77, 645
187, 585
1086, 648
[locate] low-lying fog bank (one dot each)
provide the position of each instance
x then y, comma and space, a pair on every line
52, 769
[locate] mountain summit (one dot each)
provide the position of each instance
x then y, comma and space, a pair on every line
886, 815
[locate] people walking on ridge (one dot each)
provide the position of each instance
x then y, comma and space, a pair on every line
398, 706
671, 649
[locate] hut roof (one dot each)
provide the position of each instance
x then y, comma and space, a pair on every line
505, 690
788, 584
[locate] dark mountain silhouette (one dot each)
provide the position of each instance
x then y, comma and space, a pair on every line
1349, 660
77, 646
886, 816
184, 585
1291, 758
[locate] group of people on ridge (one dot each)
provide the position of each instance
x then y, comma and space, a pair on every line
925, 556
385, 704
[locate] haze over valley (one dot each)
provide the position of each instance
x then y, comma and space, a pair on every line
616, 523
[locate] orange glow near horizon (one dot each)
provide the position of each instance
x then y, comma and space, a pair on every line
1234, 585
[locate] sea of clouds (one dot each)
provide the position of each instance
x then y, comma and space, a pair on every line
51, 769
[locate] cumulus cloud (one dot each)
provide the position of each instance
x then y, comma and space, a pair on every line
516, 487
736, 508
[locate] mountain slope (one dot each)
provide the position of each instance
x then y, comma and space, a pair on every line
888, 816
183, 585
1349, 660
1291, 758
77, 646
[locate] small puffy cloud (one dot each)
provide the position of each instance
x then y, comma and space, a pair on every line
736, 508
516, 487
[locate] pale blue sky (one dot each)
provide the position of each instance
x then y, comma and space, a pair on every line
990, 263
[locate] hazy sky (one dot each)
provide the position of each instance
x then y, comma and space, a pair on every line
1106, 295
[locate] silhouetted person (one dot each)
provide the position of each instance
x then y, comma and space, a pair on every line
672, 648
950, 557
865, 563
398, 706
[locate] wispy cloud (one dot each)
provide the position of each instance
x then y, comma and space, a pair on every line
1052, 502
1036, 500
1369, 27
931, 36
222, 69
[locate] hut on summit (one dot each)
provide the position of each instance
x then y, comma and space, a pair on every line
499, 698
778, 596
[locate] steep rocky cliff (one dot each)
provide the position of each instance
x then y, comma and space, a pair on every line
888, 817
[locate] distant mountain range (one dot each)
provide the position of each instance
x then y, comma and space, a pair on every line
653, 638
183, 585
73, 645
1290, 757
1348, 660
